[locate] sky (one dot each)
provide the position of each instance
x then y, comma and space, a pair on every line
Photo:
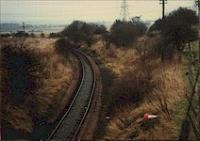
65, 11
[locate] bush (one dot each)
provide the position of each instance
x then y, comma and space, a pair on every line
21, 68
5, 35
99, 29
54, 35
125, 33
131, 87
82, 32
21, 34
79, 31
42, 35
106, 38
176, 29
32, 35
63, 45
156, 26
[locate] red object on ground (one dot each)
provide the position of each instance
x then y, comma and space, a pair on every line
146, 117
149, 117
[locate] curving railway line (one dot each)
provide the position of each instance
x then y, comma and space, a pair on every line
70, 124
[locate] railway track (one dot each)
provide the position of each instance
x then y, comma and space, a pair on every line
70, 124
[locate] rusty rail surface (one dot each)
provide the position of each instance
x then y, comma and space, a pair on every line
69, 126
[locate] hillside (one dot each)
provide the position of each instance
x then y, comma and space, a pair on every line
141, 84
48, 76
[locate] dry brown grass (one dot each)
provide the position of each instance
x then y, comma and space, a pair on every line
55, 79
170, 87
141, 73
117, 59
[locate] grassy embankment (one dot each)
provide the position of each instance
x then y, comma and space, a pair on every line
191, 58
34, 80
142, 84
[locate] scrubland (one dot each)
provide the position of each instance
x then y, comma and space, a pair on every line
142, 84
34, 80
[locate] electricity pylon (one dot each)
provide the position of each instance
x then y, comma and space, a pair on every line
124, 10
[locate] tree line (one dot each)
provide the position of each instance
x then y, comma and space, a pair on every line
175, 30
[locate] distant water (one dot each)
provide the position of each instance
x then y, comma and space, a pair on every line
48, 30
36, 29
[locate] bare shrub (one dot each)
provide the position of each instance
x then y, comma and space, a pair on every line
82, 32
131, 87
62, 46
125, 33
22, 68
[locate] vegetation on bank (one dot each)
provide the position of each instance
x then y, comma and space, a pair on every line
33, 77
139, 87
142, 82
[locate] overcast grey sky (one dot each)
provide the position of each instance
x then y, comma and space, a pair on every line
65, 11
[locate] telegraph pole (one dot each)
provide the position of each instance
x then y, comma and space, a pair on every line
163, 2
198, 89
124, 10
198, 9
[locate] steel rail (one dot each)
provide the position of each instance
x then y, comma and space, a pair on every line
90, 100
81, 56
